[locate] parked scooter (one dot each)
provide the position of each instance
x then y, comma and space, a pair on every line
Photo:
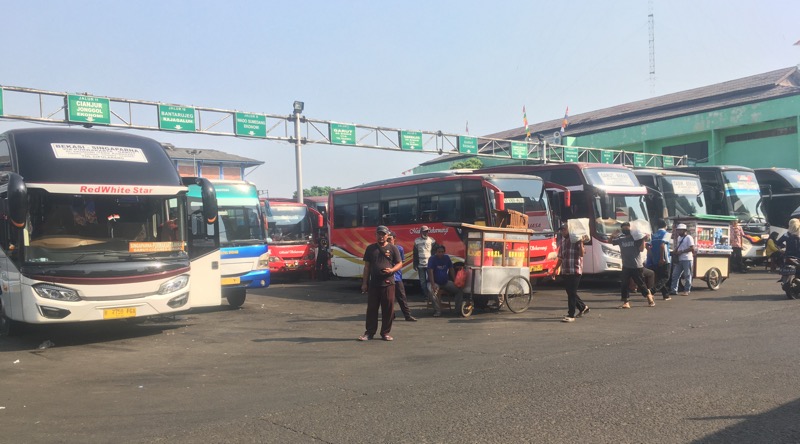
790, 277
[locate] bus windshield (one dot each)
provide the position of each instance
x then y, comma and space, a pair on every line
239, 224
743, 196
611, 210
72, 229
288, 223
683, 196
526, 196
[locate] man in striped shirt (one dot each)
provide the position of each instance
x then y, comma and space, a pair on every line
570, 259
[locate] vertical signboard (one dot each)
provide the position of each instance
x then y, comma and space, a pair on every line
88, 109
467, 145
342, 134
639, 160
519, 150
668, 162
607, 156
1, 101
411, 140
251, 125
570, 154
176, 118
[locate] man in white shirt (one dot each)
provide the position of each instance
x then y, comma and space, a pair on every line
423, 249
684, 250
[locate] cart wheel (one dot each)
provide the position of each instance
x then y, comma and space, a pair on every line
518, 294
713, 278
466, 308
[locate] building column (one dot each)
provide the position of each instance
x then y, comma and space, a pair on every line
713, 149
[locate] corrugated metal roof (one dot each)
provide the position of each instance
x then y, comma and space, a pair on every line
756, 88
207, 155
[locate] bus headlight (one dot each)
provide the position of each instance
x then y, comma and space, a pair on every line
173, 285
265, 259
56, 293
610, 252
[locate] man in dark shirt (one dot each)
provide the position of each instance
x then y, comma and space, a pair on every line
381, 261
441, 275
632, 263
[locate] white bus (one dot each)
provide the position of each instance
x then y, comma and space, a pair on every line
94, 225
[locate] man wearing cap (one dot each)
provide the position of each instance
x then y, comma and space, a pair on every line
381, 261
684, 250
423, 250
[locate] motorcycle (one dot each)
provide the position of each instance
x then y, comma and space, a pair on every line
790, 277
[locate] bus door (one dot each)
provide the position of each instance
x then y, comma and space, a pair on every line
204, 246
559, 197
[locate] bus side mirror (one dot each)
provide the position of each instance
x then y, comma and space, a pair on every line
699, 201
17, 200
320, 221
500, 199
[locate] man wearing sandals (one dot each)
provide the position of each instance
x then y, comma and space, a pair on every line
632, 263
570, 261
381, 261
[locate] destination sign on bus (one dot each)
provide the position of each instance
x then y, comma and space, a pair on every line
681, 186
98, 152
615, 178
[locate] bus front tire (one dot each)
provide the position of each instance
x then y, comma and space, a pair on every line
8, 328
236, 297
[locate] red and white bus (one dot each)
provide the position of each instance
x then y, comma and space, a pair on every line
404, 204
293, 234
606, 194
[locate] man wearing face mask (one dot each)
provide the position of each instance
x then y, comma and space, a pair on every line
632, 263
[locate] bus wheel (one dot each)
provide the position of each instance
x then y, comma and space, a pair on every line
236, 297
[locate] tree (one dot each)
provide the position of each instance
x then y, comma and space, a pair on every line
315, 191
473, 163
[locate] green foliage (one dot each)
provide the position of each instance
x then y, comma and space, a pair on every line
315, 191
473, 163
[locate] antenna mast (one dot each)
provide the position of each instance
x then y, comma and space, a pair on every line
651, 26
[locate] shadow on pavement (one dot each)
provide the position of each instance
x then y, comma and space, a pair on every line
306, 340
778, 425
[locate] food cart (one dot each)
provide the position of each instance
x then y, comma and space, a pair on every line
497, 267
712, 246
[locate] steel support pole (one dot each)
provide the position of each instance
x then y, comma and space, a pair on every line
298, 160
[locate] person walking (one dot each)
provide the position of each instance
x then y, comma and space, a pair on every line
570, 261
682, 265
399, 288
423, 250
441, 275
381, 261
658, 259
632, 264
737, 264
321, 267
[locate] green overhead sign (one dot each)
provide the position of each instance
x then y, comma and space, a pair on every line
342, 134
467, 145
251, 125
570, 154
668, 162
176, 118
607, 156
639, 160
411, 140
88, 109
519, 150
1, 101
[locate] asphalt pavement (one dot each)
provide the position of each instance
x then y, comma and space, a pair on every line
714, 366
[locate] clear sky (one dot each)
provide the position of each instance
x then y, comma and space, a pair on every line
416, 65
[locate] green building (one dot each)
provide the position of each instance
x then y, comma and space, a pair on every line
750, 122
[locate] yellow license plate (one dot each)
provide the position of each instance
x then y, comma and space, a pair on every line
537, 267
230, 281
118, 313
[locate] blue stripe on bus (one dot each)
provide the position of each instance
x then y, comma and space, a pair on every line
243, 251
